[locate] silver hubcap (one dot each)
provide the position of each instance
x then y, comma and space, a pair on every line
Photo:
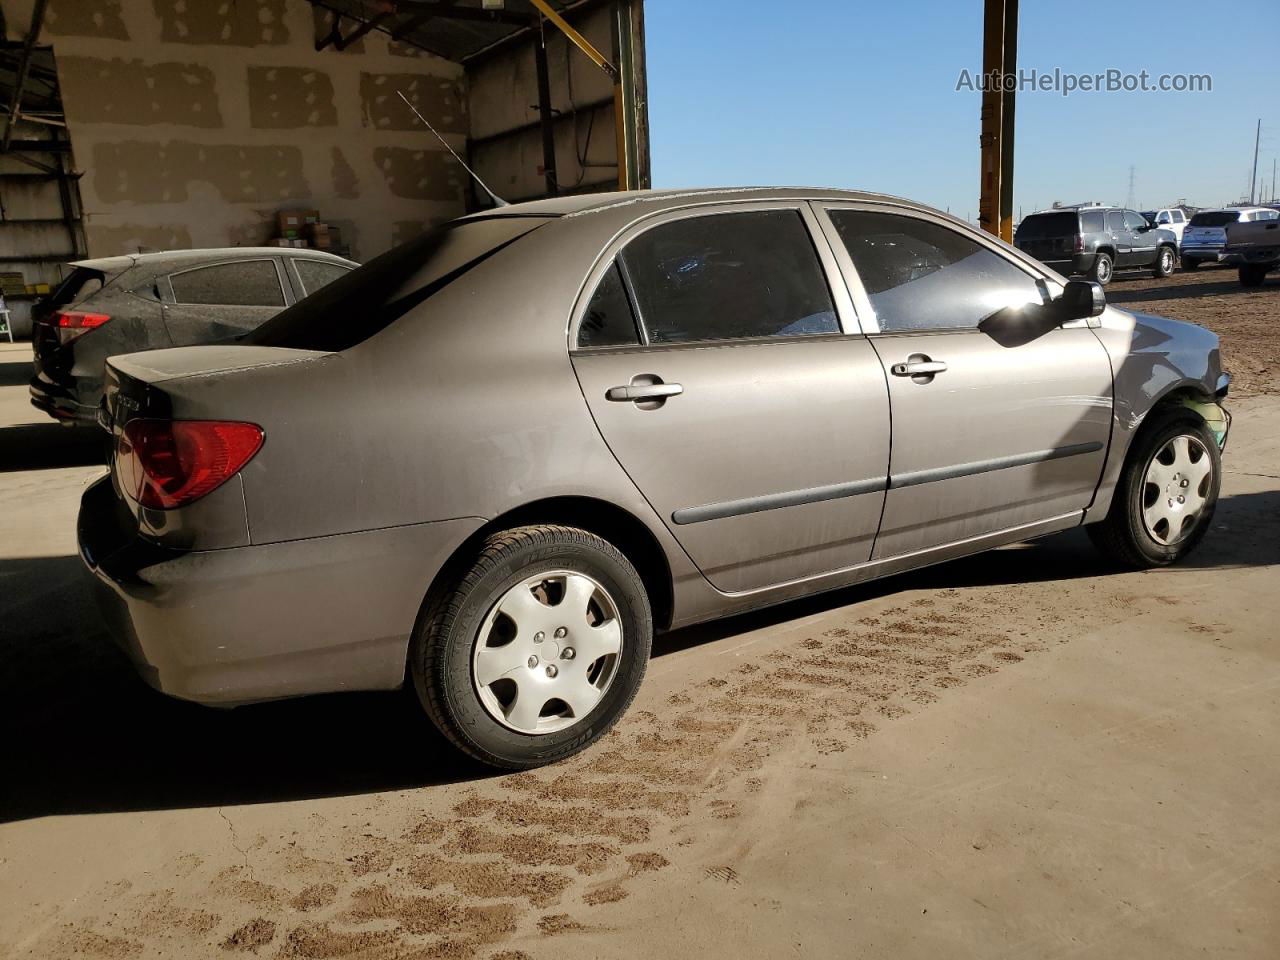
1176, 489
1166, 261
547, 652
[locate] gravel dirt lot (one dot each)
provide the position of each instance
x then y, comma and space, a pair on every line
1022, 754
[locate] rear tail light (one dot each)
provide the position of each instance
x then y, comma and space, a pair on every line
1079, 247
74, 323
165, 464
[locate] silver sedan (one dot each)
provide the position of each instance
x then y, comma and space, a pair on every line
492, 462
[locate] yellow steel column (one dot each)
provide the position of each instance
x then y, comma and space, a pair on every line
999, 60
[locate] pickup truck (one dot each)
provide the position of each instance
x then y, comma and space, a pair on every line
1254, 247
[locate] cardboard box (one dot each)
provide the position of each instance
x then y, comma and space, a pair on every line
289, 220
280, 242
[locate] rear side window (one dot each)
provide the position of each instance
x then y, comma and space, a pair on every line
315, 274
609, 320
370, 298
1115, 221
1091, 222
920, 275
728, 276
245, 283
1039, 226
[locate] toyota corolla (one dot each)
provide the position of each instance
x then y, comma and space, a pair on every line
493, 461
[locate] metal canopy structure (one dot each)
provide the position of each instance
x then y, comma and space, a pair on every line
454, 29
465, 30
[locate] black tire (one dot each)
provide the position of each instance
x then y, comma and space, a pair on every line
440, 652
1166, 259
1252, 275
1190, 263
1102, 270
1123, 535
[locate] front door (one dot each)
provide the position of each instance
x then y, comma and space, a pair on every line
220, 300
756, 428
987, 435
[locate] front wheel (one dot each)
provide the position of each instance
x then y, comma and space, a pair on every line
536, 649
1166, 496
1164, 263
1101, 270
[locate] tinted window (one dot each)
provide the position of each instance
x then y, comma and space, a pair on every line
1134, 221
1179, 217
370, 298
249, 283
1091, 222
920, 275
729, 275
1267, 215
1165, 217
1040, 225
1115, 221
608, 321
1217, 219
315, 274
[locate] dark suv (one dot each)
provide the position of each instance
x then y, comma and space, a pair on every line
1097, 241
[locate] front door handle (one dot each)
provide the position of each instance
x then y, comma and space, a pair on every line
918, 368
639, 392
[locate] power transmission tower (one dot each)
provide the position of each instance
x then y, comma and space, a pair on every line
1132, 203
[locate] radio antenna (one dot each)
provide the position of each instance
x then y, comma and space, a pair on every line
497, 200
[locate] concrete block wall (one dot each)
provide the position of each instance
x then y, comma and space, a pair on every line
195, 121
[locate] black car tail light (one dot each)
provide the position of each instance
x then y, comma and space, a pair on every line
75, 323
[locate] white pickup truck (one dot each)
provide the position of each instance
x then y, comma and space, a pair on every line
1253, 247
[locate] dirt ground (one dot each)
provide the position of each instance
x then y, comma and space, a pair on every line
1022, 754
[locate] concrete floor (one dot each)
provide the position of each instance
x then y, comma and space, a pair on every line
1023, 754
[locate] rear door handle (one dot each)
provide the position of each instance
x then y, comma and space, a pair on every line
918, 368
643, 391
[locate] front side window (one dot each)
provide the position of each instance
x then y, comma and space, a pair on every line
726, 276
920, 275
247, 283
1134, 221
315, 274
1164, 217
608, 320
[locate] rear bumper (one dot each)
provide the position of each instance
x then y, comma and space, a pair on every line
1202, 251
1077, 263
243, 624
1268, 257
58, 402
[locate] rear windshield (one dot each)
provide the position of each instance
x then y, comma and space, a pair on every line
1048, 225
1219, 219
355, 307
80, 283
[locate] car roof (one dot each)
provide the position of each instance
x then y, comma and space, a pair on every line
587, 203
186, 257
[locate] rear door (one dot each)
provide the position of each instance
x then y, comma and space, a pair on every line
1120, 238
730, 381
215, 301
986, 437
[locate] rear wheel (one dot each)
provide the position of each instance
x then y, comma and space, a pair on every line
1102, 269
1166, 496
1252, 275
536, 650
1164, 262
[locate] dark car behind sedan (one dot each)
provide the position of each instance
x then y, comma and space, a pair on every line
149, 301
1097, 241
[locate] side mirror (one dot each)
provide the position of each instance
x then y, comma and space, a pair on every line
1081, 299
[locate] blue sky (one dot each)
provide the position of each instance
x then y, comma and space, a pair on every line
858, 94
